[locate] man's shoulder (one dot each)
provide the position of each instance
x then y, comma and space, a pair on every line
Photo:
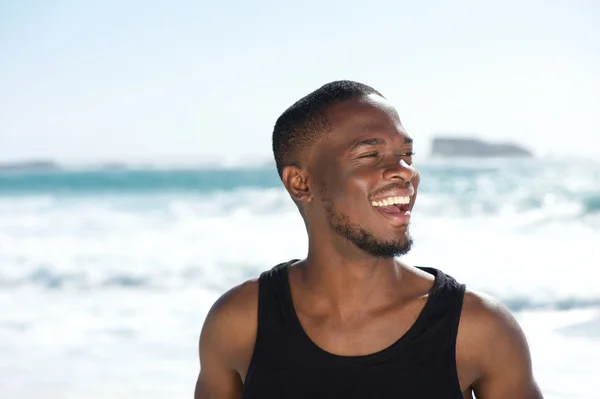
479, 310
486, 315
237, 305
491, 345
236, 311
229, 329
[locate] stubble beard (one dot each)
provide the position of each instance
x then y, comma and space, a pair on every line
363, 239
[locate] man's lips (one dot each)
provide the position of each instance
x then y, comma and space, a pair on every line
395, 208
391, 196
398, 214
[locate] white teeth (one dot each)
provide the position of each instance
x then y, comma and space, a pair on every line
391, 201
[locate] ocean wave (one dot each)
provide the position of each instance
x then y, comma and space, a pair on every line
592, 203
92, 182
524, 233
461, 189
49, 280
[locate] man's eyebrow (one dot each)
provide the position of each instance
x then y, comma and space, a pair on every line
367, 142
375, 141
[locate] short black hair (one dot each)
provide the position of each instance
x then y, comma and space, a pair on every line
302, 124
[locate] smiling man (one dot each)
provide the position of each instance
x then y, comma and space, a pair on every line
351, 320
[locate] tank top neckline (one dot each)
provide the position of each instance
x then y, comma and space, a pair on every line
375, 357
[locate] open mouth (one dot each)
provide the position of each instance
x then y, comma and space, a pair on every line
393, 206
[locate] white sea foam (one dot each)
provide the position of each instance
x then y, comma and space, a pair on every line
103, 295
176, 242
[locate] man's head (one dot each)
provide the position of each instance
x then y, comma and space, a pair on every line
345, 159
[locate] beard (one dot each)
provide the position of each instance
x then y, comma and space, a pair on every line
363, 239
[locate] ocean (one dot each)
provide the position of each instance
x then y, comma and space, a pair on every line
106, 275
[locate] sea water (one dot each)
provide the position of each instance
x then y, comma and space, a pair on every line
106, 275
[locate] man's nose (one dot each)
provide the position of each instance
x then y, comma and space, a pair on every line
400, 170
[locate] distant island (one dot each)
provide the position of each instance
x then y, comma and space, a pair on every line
472, 147
52, 166
29, 166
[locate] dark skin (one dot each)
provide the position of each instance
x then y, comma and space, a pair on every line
350, 302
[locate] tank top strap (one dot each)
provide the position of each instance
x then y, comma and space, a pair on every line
274, 295
445, 301
274, 301
443, 320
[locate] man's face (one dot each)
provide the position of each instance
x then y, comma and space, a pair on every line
364, 177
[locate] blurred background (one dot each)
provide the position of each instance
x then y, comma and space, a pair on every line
137, 181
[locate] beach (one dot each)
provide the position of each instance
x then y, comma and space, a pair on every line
107, 275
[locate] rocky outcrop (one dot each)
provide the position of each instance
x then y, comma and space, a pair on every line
27, 166
471, 147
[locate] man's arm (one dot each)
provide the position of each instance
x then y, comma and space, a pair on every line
226, 343
503, 359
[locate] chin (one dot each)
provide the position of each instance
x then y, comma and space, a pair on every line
396, 232
388, 248
400, 228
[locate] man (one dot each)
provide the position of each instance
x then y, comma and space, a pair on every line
350, 320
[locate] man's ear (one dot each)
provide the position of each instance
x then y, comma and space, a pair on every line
295, 181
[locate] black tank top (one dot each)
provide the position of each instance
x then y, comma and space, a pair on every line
287, 364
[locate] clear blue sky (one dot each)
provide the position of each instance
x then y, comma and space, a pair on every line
148, 80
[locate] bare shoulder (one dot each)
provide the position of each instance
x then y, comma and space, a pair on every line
493, 351
236, 302
483, 313
231, 322
227, 342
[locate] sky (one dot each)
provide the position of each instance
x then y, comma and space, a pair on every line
135, 81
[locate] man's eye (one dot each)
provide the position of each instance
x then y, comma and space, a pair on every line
369, 155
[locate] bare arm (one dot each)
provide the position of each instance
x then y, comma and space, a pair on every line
226, 344
505, 367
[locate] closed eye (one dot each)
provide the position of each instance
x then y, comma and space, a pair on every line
369, 155
376, 154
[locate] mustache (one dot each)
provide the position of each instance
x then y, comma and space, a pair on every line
390, 187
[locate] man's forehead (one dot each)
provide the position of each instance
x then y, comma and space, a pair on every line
366, 107
363, 116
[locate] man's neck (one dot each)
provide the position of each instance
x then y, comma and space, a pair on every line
349, 280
